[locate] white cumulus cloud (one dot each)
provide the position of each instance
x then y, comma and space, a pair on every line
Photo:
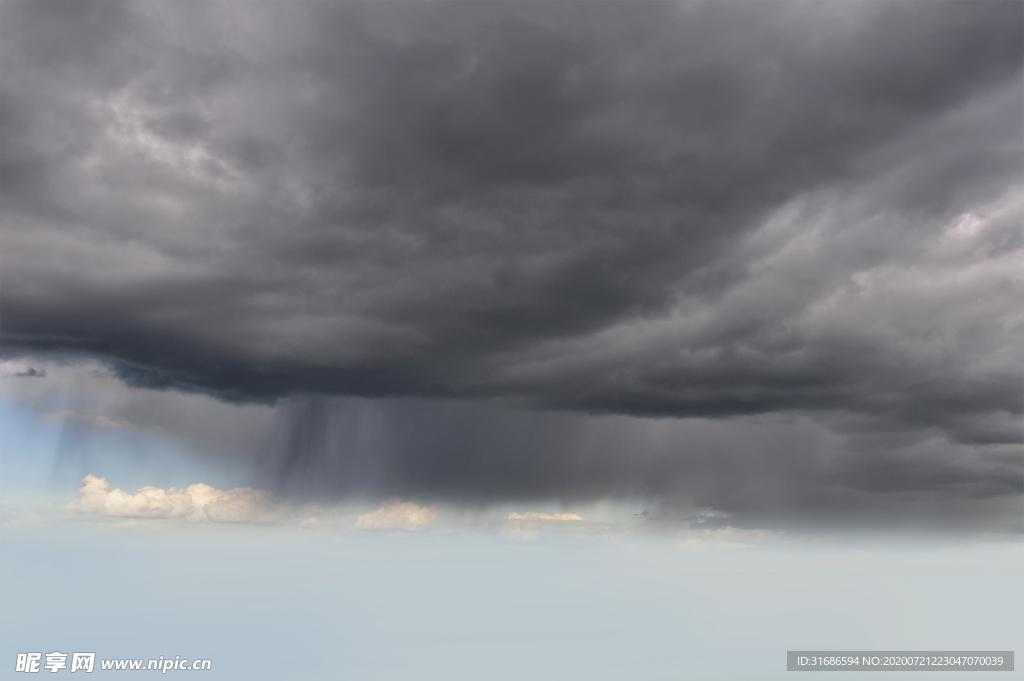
196, 502
398, 515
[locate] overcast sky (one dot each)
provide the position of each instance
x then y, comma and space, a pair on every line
765, 257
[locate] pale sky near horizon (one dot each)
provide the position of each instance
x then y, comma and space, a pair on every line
271, 603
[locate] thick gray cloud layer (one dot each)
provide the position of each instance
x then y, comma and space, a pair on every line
715, 210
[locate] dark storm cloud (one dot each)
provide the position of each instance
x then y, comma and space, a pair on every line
824, 471
760, 471
673, 210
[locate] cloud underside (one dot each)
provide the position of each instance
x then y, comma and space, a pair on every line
691, 210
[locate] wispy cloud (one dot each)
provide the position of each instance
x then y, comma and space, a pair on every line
531, 515
89, 418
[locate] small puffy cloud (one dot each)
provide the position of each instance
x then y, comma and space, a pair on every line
196, 503
148, 502
543, 516
398, 515
528, 526
238, 505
